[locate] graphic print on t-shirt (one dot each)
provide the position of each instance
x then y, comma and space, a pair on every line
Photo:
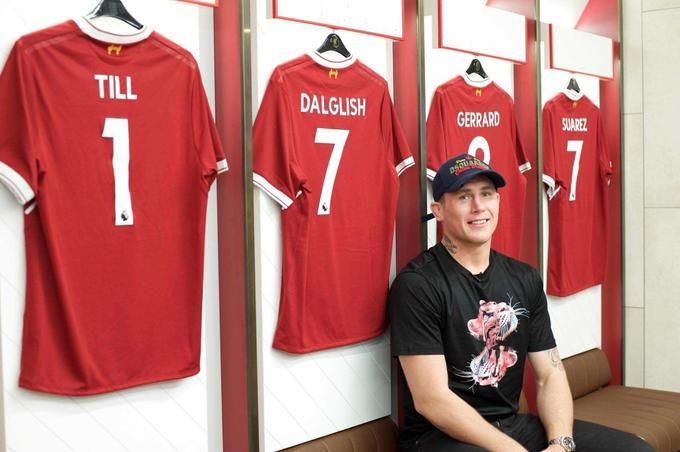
493, 324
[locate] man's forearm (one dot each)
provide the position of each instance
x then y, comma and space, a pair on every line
452, 415
555, 406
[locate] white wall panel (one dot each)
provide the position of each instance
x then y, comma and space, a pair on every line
183, 415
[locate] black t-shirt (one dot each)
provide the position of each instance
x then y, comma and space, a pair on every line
484, 325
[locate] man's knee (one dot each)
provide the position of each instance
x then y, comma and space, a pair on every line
595, 437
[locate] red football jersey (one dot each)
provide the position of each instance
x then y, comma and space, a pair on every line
109, 143
576, 171
478, 117
328, 148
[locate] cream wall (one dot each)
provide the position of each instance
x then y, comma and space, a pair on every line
651, 38
180, 415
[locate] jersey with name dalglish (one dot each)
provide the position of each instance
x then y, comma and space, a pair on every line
327, 146
576, 171
479, 118
109, 143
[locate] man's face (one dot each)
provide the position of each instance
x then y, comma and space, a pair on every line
470, 215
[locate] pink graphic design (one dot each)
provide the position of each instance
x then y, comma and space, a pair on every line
489, 367
494, 323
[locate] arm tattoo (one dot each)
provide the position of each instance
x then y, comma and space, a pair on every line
555, 358
449, 245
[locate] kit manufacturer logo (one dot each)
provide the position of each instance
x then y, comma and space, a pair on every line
114, 48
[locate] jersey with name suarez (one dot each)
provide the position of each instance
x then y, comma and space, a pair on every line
329, 149
109, 143
478, 117
576, 172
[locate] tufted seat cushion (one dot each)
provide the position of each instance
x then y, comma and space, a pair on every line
650, 414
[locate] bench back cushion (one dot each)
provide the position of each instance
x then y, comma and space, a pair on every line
375, 436
587, 372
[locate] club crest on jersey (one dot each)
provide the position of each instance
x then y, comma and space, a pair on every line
114, 49
478, 92
333, 73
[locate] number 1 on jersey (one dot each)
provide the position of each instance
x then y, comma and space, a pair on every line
117, 129
338, 138
574, 146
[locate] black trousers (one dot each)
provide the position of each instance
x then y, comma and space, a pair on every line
528, 430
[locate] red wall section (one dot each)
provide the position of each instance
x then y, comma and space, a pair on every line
407, 104
612, 301
231, 228
601, 18
526, 101
525, 111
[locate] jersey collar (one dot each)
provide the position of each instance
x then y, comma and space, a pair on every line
325, 60
476, 81
88, 27
572, 95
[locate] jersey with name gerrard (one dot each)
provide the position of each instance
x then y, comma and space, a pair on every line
479, 118
576, 171
109, 143
329, 149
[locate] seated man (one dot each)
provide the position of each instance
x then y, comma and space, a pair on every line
464, 318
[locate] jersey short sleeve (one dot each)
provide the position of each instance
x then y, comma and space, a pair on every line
415, 318
394, 136
604, 160
206, 137
274, 161
436, 138
19, 163
551, 177
524, 164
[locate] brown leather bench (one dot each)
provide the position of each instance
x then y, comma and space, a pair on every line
375, 436
650, 414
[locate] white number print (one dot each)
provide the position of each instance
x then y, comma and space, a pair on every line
480, 143
338, 138
117, 129
574, 146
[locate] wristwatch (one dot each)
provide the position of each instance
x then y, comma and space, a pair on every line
565, 441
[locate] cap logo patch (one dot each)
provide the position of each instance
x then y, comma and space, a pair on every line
467, 163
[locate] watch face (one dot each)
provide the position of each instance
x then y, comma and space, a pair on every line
565, 441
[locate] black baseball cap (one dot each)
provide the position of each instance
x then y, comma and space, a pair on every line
458, 171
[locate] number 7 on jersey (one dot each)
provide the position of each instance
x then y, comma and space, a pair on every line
338, 138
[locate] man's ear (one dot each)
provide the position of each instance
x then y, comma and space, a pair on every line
436, 209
